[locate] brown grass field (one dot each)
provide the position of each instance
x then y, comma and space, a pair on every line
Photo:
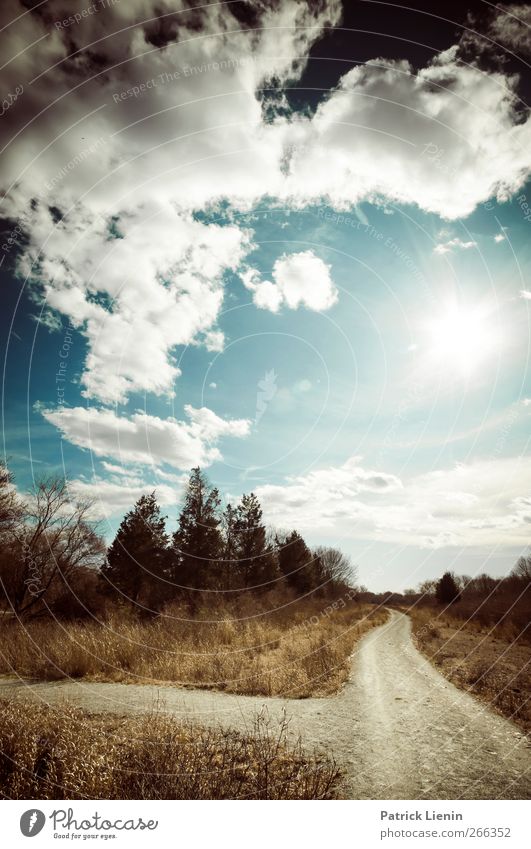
490, 661
297, 651
57, 753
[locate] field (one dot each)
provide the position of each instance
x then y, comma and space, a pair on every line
48, 753
489, 659
295, 651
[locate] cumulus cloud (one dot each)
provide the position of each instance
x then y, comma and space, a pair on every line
445, 138
147, 440
141, 115
300, 279
198, 133
470, 504
136, 287
525, 294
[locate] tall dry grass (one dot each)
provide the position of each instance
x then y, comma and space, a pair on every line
299, 651
58, 753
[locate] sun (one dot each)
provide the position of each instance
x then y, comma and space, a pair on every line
461, 339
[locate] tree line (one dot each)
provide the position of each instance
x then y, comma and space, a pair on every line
215, 550
53, 558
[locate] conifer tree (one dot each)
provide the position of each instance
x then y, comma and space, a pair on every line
447, 591
197, 542
229, 559
297, 563
137, 558
257, 562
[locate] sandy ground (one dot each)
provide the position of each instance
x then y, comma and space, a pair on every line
398, 728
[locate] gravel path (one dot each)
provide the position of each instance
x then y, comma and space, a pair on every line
398, 728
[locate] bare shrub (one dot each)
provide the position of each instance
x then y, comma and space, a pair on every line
295, 653
54, 753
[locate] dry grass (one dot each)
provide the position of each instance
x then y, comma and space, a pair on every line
297, 652
48, 753
494, 666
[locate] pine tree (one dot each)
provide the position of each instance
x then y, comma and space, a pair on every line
447, 591
137, 558
197, 542
297, 563
229, 559
257, 563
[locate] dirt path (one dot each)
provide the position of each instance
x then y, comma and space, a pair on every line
399, 729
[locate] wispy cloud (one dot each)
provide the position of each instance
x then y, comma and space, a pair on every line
467, 505
447, 247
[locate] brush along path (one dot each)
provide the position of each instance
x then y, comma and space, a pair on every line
398, 728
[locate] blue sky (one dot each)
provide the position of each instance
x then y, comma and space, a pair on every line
329, 307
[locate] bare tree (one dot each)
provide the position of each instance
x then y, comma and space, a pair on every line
335, 567
427, 588
522, 569
11, 506
55, 538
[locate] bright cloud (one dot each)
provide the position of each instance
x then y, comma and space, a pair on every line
470, 504
300, 279
447, 247
111, 497
445, 138
135, 297
147, 440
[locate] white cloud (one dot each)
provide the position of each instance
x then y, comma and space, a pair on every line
113, 498
214, 340
147, 440
447, 247
499, 237
525, 294
445, 137
471, 504
300, 279
267, 296
136, 297
323, 496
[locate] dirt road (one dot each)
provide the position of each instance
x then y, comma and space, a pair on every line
399, 729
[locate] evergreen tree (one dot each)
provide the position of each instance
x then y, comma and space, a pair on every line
197, 542
257, 563
137, 558
447, 591
229, 559
297, 563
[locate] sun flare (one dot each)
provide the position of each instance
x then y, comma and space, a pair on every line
461, 339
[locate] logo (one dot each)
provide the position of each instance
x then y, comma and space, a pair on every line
31, 822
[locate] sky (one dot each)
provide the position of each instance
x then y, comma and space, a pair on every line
285, 241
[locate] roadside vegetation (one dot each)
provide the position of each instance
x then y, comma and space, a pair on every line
58, 753
224, 602
477, 632
295, 651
